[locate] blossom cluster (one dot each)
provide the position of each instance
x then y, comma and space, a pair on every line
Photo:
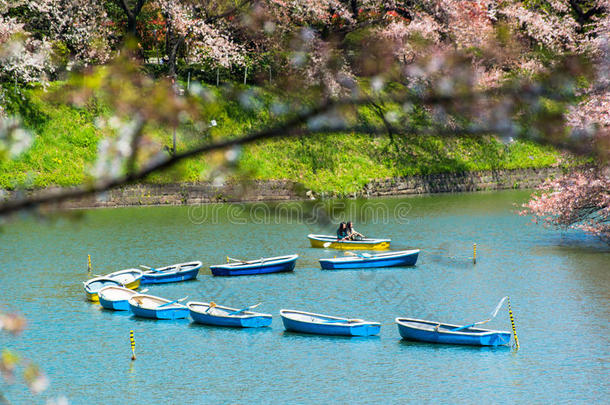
82, 26
203, 39
580, 200
22, 57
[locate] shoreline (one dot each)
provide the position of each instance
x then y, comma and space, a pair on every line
285, 190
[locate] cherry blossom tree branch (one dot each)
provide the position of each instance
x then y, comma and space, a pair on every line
229, 12
578, 200
584, 17
289, 128
285, 129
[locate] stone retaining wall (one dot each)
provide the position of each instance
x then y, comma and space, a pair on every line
283, 190
457, 182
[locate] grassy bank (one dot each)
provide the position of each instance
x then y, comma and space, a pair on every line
344, 163
65, 148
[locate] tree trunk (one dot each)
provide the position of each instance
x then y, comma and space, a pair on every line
132, 15
174, 43
131, 25
354, 7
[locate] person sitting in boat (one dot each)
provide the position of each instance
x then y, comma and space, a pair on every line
352, 234
342, 231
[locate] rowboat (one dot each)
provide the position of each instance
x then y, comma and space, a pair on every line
328, 241
130, 278
210, 314
307, 322
435, 332
172, 274
95, 284
364, 260
149, 306
260, 266
115, 298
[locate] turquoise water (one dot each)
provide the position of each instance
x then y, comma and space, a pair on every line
558, 283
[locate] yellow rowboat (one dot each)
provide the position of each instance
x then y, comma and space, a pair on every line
327, 241
130, 278
93, 286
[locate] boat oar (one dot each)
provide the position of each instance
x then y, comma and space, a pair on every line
172, 302
262, 260
493, 315
342, 320
244, 309
362, 255
212, 305
150, 268
236, 260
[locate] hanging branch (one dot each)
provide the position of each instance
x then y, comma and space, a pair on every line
289, 128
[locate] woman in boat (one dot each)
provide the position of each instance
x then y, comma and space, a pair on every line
351, 232
342, 231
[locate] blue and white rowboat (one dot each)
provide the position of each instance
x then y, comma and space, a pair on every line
260, 266
115, 297
435, 332
307, 322
172, 274
210, 314
130, 278
93, 286
149, 306
365, 260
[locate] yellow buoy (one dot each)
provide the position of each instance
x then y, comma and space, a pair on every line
512, 322
133, 345
89, 263
474, 254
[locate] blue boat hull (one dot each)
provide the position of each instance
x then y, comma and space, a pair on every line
372, 262
250, 322
490, 339
330, 329
170, 313
120, 305
170, 277
261, 269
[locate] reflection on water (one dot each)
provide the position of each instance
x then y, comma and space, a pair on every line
446, 347
558, 283
324, 338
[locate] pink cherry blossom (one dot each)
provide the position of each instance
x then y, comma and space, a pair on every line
580, 200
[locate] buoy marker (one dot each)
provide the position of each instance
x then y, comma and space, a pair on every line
133, 345
512, 322
89, 263
474, 254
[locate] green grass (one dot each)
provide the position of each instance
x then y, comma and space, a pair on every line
66, 138
344, 163
65, 144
